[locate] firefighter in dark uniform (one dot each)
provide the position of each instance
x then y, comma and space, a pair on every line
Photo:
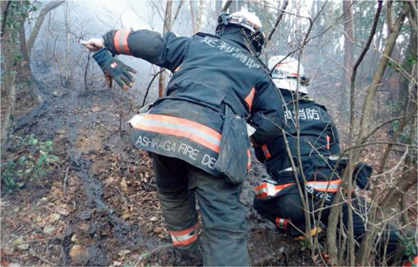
197, 132
277, 198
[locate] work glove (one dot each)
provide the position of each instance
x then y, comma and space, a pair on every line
114, 69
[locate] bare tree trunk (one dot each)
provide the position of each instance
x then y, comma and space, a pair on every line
348, 57
192, 17
9, 83
404, 81
8, 75
67, 45
199, 15
14, 69
41, 17
167, 28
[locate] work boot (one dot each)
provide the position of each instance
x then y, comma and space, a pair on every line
167, 255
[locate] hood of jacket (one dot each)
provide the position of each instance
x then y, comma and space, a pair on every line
237, 35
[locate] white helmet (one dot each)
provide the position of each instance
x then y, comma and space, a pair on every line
248, 21
284, 71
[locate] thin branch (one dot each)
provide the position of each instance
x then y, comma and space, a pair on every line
377, 143
149, 85
380, 126
286, 2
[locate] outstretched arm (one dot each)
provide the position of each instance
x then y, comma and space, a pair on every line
166, 50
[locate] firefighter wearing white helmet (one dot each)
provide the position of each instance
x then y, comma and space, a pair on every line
248, 21
312, 137
200, 149
288, 73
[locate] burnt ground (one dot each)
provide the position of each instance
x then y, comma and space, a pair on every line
97, 205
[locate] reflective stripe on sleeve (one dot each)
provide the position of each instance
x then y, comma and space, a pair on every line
269, 190
121, 42
266, 151
325, 186
250, 97
184, 237
180, 127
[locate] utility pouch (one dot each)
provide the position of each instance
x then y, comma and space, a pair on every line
233, 159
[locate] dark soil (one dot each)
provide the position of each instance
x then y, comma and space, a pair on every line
98, 205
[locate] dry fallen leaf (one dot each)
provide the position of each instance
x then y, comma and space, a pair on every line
53, 217
75, 251
63, 210
124, 185
158, 230
49, 229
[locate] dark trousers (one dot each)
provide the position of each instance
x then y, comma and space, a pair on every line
223, 215
289, 206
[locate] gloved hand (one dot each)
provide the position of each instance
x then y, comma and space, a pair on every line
114, 69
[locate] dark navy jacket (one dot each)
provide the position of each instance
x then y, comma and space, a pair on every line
318, 140
209, 73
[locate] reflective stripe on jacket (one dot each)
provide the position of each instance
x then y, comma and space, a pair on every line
269, 189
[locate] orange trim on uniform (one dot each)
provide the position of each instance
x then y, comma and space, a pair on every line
185, 242
281, 223
328, 138
184, 237
185, 231
116, 40
267, 189
176, 69
266, 151
180, 127
250, 97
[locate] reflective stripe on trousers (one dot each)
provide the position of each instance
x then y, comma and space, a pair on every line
266, 151
324, 186
184, 237
281, 223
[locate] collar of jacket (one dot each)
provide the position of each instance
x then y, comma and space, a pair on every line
236, 35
